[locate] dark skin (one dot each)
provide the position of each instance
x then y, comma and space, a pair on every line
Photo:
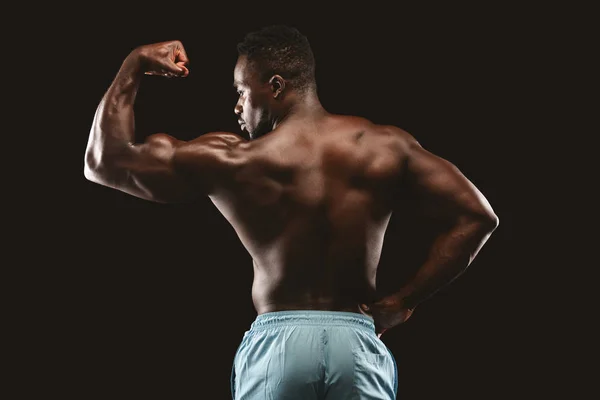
310, 195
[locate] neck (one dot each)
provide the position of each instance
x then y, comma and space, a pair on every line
308, 106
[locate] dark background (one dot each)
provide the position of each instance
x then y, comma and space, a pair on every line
144, 300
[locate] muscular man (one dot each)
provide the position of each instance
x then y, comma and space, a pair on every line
310, 196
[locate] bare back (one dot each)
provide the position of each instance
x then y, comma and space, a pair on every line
310, 200
311, 205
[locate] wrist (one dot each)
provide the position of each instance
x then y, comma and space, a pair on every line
134, 62
405, 299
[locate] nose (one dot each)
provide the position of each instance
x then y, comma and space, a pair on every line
237, 109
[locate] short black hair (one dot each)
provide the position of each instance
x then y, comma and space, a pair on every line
283, 50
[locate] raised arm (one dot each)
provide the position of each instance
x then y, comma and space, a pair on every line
460, 207
162, 169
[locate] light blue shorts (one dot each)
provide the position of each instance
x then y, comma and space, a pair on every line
310, 355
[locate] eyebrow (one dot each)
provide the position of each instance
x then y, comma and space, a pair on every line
236, 84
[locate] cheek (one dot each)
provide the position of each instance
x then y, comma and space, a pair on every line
250, 103
252, 110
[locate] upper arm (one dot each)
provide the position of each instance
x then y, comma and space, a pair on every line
147, 170
440, 187
167, 170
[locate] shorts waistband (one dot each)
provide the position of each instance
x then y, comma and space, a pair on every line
312, 317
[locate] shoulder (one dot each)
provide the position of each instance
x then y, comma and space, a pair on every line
393, 138
398, 135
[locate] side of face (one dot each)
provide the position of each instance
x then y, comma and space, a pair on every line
255, 107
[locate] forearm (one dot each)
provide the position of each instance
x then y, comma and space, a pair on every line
450, 255
113, 128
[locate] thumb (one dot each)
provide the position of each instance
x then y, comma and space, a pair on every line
175, 69
184, 71
181, 55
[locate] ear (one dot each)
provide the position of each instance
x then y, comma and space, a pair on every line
277, 85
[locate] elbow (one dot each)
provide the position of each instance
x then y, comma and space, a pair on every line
94, 170
489, 219
493, 221
90, 167
89, 174
484, 217
484, 222
487, 223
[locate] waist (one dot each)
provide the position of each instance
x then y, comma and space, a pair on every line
312, 317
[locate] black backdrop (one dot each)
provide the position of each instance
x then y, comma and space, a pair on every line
151, 301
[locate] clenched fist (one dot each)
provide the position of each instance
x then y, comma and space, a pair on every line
167, 59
